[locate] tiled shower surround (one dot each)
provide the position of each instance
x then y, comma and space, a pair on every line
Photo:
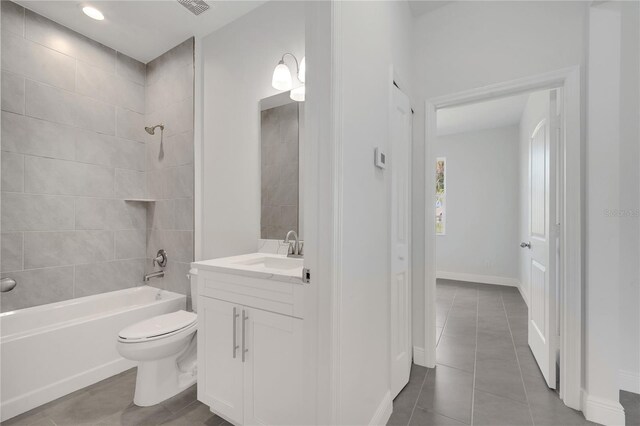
74, 148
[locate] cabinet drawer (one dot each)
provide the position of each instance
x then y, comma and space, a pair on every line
270, 295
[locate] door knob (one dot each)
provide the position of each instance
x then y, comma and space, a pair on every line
525, 245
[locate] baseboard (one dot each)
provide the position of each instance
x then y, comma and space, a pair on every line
383, 413
38, 397
478, 278
604, 411
418, 356
524, 294
629, 381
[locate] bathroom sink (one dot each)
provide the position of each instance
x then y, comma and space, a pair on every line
269, 262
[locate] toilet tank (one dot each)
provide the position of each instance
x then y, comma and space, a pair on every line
193, 278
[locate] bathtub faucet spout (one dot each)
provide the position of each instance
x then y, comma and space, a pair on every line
157, 274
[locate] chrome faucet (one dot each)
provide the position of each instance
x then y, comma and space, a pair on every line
295, 247
157, 274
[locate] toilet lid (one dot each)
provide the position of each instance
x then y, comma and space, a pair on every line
159, 325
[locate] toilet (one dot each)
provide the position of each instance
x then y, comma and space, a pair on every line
165, 348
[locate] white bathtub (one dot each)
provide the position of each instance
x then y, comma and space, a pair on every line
51, 350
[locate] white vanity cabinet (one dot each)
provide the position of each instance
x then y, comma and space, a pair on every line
264, 384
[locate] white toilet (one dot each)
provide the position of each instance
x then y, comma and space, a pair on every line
165, 348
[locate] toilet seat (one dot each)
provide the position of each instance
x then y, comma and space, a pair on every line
159, 327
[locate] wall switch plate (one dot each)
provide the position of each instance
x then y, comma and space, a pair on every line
380, 159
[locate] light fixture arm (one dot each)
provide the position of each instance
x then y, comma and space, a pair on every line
297, 64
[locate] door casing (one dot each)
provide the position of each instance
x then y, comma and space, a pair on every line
570, 259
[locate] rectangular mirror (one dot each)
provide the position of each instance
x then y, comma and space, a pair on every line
281, 190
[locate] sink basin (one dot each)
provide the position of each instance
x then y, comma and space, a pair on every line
268, 262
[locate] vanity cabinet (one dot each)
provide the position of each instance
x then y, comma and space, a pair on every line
263, 385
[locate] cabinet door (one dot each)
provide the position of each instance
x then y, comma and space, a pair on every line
273, 386
220, 375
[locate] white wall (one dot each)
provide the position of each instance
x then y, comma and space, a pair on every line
536, 109
364, 76
482, 204
464, 45
238, 65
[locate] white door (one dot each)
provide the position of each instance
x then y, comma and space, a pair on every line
273, 375
220, 370
542, 243
400, 162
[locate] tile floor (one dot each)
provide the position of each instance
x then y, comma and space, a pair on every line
110, 403
485, 373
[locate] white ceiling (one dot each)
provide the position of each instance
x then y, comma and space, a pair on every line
142, 29
420, 7
492, 114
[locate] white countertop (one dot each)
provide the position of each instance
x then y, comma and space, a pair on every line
258, 265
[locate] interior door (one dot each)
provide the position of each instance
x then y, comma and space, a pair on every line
542, 243
273, 375
400, 146
220, 358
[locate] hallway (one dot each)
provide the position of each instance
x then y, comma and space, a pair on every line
485, 374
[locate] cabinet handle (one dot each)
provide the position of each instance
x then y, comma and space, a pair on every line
235, 320
245, 317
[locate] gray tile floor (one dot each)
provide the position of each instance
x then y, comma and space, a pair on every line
485, 375
110, 402
485, 372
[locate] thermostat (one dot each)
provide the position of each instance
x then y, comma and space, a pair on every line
380, 159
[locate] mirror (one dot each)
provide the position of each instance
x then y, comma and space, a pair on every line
281, 127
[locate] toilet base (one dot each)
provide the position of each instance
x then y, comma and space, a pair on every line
159, 380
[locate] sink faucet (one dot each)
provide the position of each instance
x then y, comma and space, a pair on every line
157, 274
295, 247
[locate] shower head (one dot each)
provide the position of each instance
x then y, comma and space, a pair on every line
152, 130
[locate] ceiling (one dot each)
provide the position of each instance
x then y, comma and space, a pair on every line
420, 7
502, 112
142, 29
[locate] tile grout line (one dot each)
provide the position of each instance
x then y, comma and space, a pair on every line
475, 356
426, 375
517, 359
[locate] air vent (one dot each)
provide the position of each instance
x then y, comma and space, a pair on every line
195, 6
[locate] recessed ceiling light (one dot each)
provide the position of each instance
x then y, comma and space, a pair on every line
93, 13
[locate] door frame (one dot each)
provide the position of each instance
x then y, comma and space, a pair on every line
570, 216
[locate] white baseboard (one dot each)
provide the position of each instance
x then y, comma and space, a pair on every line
418, 356
383, 413
603, 411
629, 381
524, 294
478, 278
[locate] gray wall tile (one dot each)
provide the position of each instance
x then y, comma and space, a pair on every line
11, 256
55, 36
28, 135
177, 57
131, 244
130, 125
130, 69
26, 212
162, 215
95, 83
37, 62
130, 184
108, 276
180, 149
59, 106
50, 176
12, 171
96, 213
12, 18
44, 249
180, 182
178, 244
130, 95
12, 92
37, 287
184, 214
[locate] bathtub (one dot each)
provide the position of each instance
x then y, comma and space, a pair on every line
52, 350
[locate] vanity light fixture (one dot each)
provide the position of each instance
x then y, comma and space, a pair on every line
282, 80
93, 13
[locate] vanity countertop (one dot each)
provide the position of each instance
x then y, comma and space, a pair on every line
258, 265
